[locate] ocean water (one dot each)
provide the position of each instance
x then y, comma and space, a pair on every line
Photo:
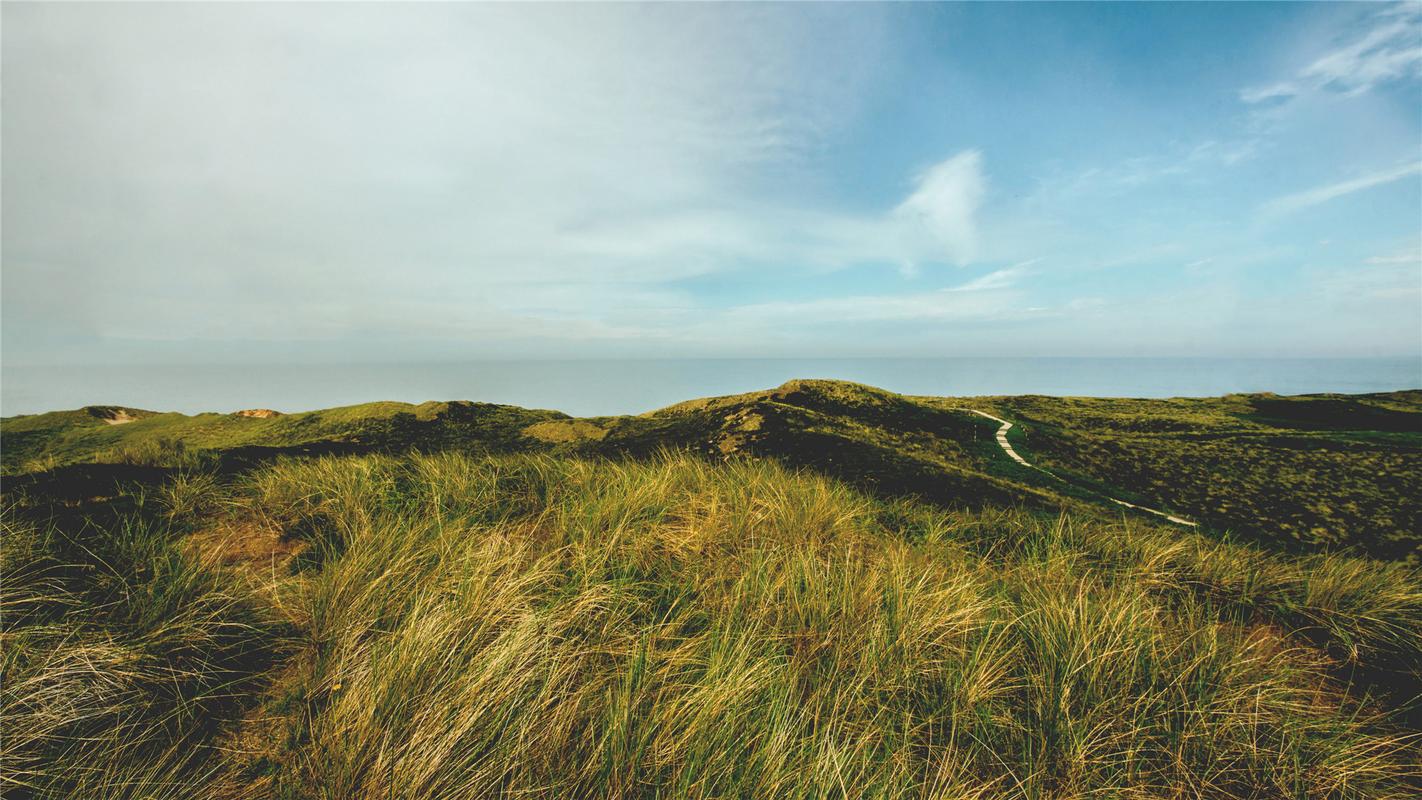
588, 388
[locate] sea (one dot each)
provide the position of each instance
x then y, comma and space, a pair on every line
605, 387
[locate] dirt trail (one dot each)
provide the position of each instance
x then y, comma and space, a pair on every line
1007, 448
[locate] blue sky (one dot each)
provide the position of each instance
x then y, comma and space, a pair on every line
392, 181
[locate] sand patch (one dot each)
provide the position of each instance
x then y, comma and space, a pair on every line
257, 413
112, 415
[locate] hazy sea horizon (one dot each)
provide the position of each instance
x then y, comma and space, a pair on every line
628, 386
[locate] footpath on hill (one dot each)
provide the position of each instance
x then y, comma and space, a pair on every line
1007, 448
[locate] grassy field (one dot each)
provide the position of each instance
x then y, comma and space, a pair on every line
1307, 474
820, 590
451, 625
43, 441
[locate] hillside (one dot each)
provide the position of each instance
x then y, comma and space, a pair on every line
455, 626
1306, 473
1309, 472
820, 590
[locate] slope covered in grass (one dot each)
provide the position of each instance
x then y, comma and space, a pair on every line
875, 439
43, 441
1307, 472
456, 626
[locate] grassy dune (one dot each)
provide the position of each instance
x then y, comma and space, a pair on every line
1308, 473
545, 625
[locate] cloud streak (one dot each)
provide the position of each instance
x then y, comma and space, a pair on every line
1292, 203
990, 296
1390, 48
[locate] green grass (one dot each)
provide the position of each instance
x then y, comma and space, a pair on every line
1311, 473
467, 626
1304, 473
67, 437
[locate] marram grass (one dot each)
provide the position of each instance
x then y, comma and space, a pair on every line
533, 626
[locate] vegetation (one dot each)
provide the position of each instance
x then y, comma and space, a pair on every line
122, 656
1313, 472
437, 626
822, 590
93, 434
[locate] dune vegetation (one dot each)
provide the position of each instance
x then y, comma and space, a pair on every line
1324, 473
1320, 472
464, 625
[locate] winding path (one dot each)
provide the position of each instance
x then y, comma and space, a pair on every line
1007, 448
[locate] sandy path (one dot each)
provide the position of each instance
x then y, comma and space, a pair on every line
1002, 438
1007, 448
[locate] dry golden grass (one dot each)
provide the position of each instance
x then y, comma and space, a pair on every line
554, 627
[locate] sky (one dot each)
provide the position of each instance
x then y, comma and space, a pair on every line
216, 183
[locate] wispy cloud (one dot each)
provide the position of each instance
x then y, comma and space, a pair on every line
998, 279
990, 296
935, 223
1274, 91
1288, 204
1180, 163
1412, 256
1389, 278
1388, 49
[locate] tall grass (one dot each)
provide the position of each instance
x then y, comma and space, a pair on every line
154, 451
567, 628
549, 627
121, 655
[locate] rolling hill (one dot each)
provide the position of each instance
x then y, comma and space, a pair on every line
819, 590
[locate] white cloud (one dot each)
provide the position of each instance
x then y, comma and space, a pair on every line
1298, 201
991, 296
1373, 285
1389, 49
999, 279
936, 223
1181, 163
1275, 91
1412, 256
939, 218
450, 158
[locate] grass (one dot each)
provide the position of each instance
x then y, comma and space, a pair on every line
457, 625
122, 656
1307, 474
70, 437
